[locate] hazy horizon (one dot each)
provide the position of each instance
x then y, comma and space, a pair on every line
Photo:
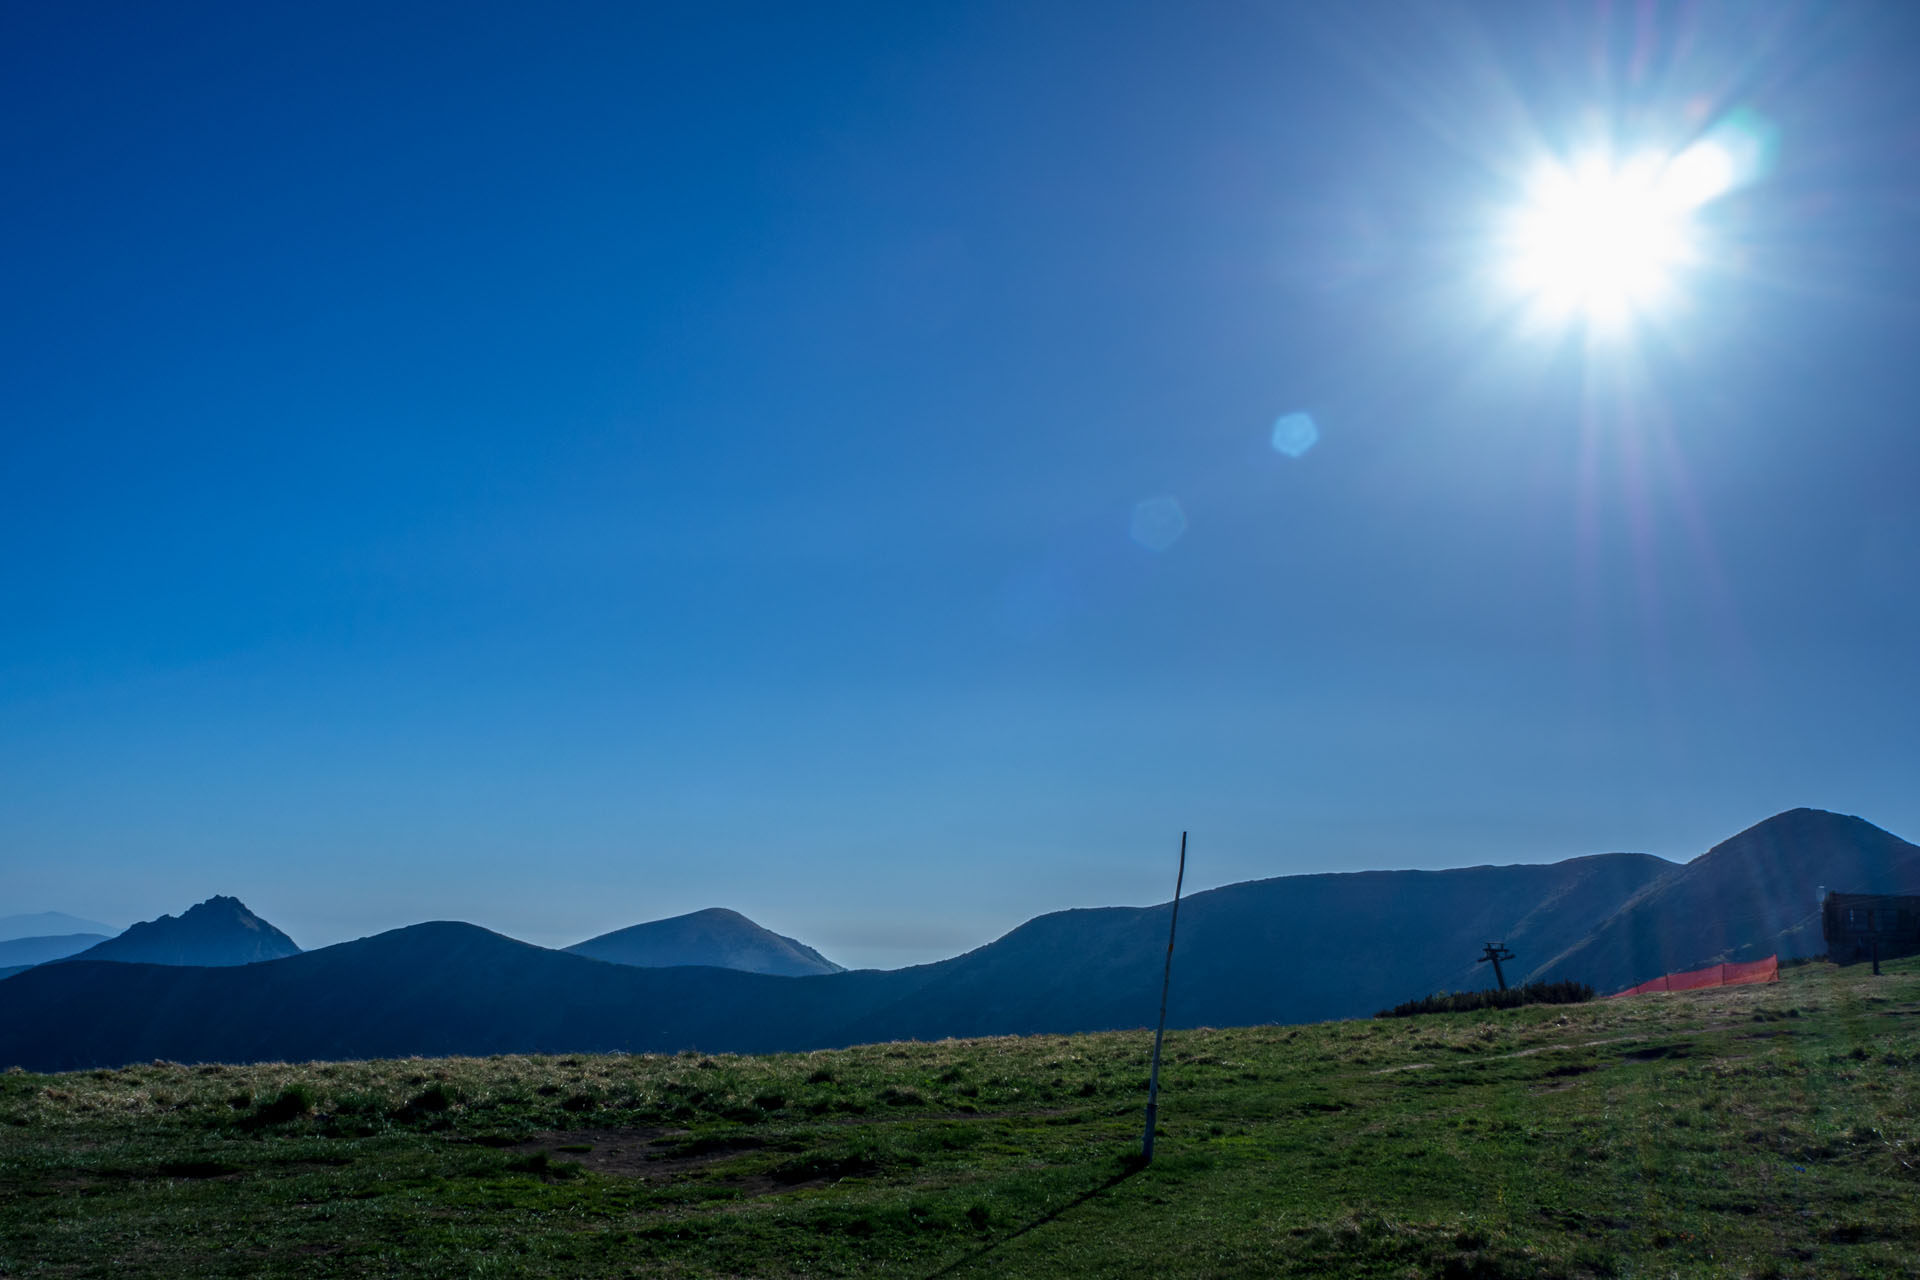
889, 471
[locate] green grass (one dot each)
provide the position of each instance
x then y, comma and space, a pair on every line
1756, 1131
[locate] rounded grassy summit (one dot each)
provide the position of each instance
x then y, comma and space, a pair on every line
716, 937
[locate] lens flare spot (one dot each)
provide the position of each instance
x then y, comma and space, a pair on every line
1740, 150
1294, 434
1704, 171
1157, 523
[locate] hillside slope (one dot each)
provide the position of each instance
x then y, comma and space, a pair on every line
1737, 1132
715, 937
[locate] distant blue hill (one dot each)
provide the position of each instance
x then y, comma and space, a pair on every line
220, 931
24, 952
48, 924
715, 937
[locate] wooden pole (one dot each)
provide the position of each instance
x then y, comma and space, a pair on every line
1166, 981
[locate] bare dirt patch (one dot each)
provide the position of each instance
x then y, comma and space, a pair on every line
631, 1153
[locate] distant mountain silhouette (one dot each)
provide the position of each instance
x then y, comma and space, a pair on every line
716, 937
440, 988
219, 931
1293, 949
1255, 952
32, 951
49, 924
1744, 899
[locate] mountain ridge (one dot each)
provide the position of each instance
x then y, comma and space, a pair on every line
1286, 949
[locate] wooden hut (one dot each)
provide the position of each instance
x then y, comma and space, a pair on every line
1869, 926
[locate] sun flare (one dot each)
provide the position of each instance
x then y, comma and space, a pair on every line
1604, 242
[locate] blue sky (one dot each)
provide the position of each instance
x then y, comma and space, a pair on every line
564, 467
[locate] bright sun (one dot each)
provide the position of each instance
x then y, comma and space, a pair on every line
1604, 243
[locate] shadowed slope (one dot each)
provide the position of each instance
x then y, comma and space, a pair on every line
716, 937
219, 931
1744, 899
1293, 949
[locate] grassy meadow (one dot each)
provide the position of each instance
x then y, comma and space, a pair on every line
1757, 1131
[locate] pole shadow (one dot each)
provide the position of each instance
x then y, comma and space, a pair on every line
960, 1264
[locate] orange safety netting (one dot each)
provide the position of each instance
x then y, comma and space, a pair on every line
1718, 975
